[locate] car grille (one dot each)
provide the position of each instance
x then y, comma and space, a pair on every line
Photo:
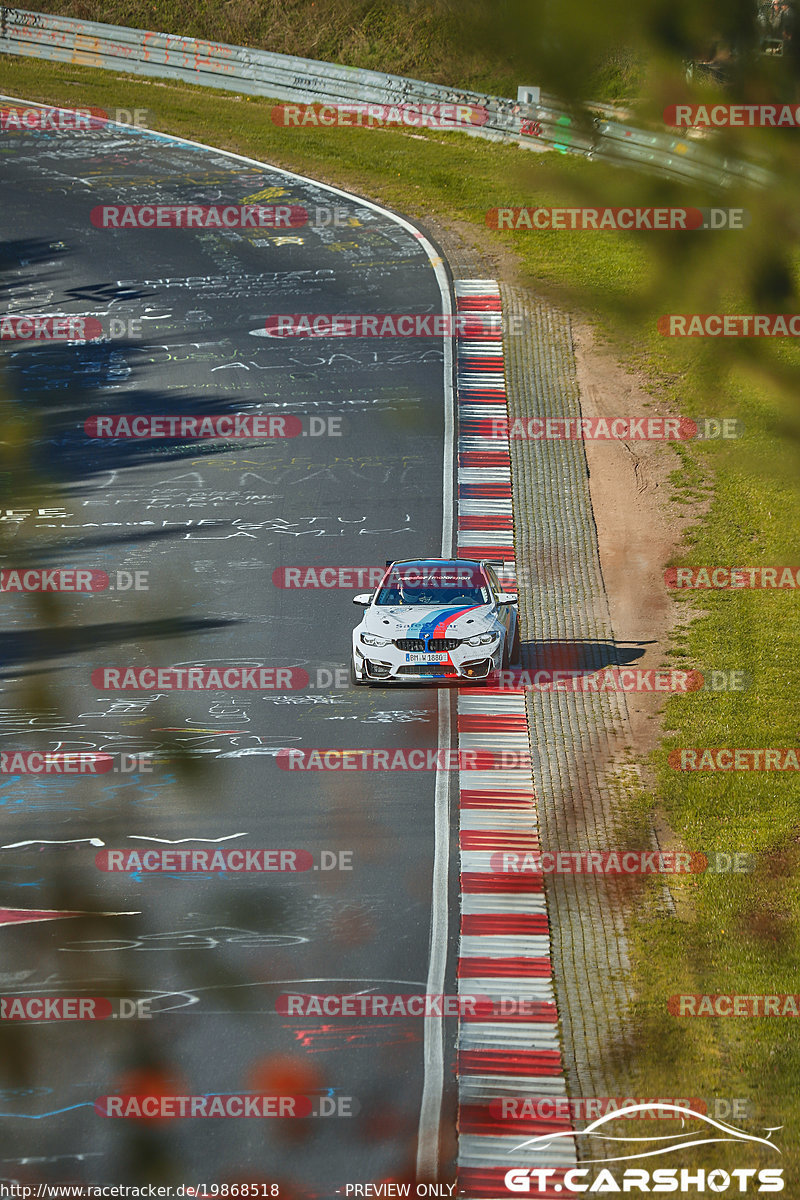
432, 646
427, 669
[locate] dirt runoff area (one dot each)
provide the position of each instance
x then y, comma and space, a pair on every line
639, 527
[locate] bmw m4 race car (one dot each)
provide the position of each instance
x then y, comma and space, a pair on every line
435, 618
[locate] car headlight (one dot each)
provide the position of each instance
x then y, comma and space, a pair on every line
482, 639
372, 639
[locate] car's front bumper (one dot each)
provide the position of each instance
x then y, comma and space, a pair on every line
387, 664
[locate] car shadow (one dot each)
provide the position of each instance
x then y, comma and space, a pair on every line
585, 655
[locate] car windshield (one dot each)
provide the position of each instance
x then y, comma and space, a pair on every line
434, 583
401, 593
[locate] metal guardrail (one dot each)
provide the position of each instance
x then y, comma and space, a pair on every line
302, 80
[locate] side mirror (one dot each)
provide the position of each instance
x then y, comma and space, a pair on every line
507, 598
363, 598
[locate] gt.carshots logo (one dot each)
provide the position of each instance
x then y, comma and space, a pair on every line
600, 1176
540, 1180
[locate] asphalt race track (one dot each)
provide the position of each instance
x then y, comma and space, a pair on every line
208, 523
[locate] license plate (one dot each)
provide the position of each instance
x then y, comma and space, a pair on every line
427, 658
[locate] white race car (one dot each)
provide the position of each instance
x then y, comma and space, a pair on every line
435, 619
